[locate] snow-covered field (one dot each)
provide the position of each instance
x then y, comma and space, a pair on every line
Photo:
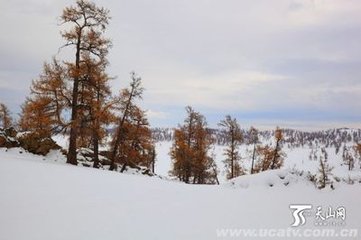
296, 158
44, 200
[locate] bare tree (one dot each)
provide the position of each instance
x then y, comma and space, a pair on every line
234, 138
348, 158
325, 171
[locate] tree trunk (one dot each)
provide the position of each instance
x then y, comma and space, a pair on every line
95, 150
253, 156
232, 154
74, 109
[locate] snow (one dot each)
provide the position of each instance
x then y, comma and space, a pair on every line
43, 200
163, 162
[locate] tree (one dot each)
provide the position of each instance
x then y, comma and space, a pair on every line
97, 104
87, 24
125, 105
43, 109
5, 117
138, 146
348, 158
234, 138
324, 171
358, 151
189, 153
35, 116
271, 158
277, 154
181, 156
253, 139
132, 142
266, 156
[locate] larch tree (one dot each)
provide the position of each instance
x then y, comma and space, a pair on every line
36, 117
265, 154
142, 140
233, 135
191, 162
137, 146
77, 88
95, 105
86, 26
43, 109
5, 116
277, 154
271, 157
132, 143
181, 156
202, 164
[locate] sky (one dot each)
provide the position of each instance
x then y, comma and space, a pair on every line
287, 63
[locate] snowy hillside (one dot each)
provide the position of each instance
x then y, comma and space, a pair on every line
303, 151
44, 198
296, 158
42, 201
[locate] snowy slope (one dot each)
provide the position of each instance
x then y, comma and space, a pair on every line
296, 158
42, 201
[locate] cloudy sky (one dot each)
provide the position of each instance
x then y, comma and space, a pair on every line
292, 63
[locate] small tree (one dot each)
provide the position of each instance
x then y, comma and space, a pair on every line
358, 152
271, 158
266, 155
348, 158
5, 117
234, 138
214, 168
277, 154
125, 105
138, 145
325, 172
189, 153
132, 142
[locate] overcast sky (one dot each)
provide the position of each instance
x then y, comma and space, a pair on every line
292, 63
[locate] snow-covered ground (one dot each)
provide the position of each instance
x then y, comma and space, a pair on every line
44, 200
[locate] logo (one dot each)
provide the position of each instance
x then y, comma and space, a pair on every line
298, 213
